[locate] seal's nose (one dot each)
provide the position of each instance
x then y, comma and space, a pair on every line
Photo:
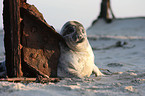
78, 37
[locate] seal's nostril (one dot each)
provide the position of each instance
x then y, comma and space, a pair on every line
79, 37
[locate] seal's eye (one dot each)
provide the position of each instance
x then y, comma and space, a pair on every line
70, 30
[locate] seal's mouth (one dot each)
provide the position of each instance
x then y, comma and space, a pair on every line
78, 38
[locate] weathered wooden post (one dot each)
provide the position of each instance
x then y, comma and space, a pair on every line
106, 11
31, 45
11, 16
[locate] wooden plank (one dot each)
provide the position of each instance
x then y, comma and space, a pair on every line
12, 37
23, 79
15, 31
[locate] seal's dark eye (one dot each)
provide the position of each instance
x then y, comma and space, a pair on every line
71, 29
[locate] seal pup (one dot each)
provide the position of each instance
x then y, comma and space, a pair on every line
76, 58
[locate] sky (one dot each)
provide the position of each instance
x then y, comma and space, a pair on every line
58, 12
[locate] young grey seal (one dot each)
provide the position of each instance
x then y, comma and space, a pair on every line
76, 58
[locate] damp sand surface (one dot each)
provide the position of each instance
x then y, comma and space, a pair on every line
126, 65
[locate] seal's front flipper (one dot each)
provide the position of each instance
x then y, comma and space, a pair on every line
96, 71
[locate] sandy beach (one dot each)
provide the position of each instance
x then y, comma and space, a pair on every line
126, 64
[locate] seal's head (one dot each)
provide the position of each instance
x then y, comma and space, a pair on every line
74, 35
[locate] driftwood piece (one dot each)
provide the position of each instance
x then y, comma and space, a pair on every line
31, 45
106, 12
18, 79
22, 79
